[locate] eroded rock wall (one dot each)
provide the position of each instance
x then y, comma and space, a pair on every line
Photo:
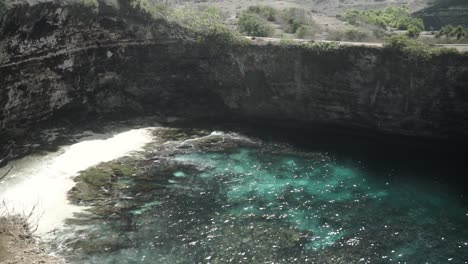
372, 88
72, 62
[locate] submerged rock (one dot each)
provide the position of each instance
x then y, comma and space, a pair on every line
250, 242
95, 183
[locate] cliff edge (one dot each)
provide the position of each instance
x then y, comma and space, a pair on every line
74, 62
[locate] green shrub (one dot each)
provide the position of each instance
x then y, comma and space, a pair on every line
392, 16
255, 21
402, 42
302, 31
459, 32
286, 41
114, 3
267, 12
91, 4
140, 4
254, 25
450, 31
312, 46
152, 8
413, 32
294, 18
322, 47
351, 34
445, 31
203, 19
415, 49
208, 25
355, 34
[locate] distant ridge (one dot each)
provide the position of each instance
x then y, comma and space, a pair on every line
444, 12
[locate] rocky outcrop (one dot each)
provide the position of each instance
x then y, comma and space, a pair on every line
70, 59
75, 62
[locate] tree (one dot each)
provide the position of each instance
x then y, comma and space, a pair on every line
294, 18
459, 32
413, 31
444, 31
392, 16
253, 25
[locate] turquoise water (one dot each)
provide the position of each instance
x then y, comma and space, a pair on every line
301, 192
249, 205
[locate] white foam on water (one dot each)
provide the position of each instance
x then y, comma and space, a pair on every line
43, 181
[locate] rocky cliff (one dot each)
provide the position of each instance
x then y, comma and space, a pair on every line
72, 62
436, 17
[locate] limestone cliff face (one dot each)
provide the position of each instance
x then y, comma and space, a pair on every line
72, 62
438, 16
355, 86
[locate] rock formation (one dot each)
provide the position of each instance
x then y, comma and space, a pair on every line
74, 62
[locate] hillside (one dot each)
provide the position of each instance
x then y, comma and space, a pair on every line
442, 13
331, 7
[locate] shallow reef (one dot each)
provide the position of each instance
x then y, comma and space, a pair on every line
197, 196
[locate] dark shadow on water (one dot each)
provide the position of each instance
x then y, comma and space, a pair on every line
443, 162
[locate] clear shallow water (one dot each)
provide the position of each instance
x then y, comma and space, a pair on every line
253, 205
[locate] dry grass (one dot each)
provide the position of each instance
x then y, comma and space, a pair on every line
17, 240
28, 221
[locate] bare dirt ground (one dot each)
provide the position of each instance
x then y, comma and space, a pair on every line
18, 246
